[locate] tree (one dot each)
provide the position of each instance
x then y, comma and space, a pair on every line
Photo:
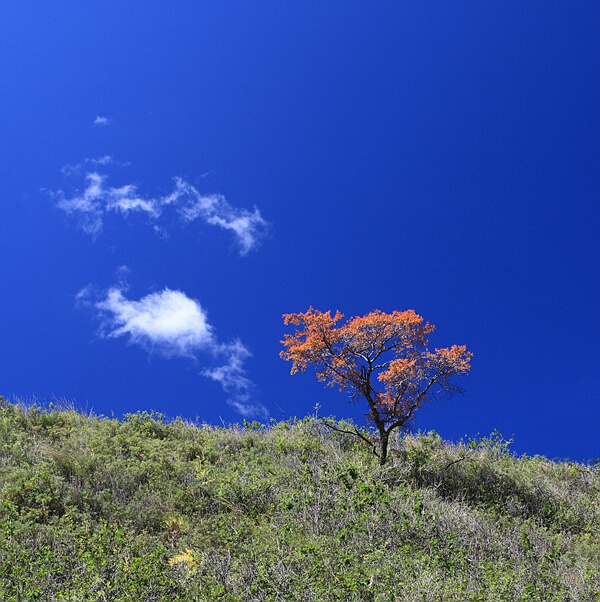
382, 349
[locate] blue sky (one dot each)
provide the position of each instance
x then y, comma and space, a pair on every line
176, 176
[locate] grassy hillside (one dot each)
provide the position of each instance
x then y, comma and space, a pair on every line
95, 509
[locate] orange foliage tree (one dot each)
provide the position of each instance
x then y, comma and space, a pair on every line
388, 350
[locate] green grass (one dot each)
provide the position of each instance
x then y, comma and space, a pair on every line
97, 509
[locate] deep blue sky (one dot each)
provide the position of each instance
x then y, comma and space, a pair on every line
435, 156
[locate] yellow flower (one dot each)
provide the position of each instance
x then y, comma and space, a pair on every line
185, 559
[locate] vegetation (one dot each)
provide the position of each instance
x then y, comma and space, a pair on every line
391, 347
99, 509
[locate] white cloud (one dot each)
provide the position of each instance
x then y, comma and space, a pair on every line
97, 199
171, 323
83, 297
234, 381
72, 170
215, 210
106, 160
168, 321
101, 120
126, 199
87, 206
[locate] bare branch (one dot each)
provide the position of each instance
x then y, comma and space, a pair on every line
355, 433
457, 461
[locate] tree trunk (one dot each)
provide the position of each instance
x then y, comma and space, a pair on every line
383, 446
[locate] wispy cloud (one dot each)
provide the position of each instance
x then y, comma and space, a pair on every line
97, 199
88, 206
106, 160
101, 120
172, 324
215, 210
72, 170
232, 378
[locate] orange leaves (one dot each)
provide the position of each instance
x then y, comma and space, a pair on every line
378, 327
399, 370
309, 344
313, 318
454, 360
391, 347
457, 356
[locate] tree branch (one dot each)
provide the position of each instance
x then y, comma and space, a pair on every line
355, 433
456, 461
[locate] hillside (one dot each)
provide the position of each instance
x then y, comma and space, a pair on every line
95, 509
